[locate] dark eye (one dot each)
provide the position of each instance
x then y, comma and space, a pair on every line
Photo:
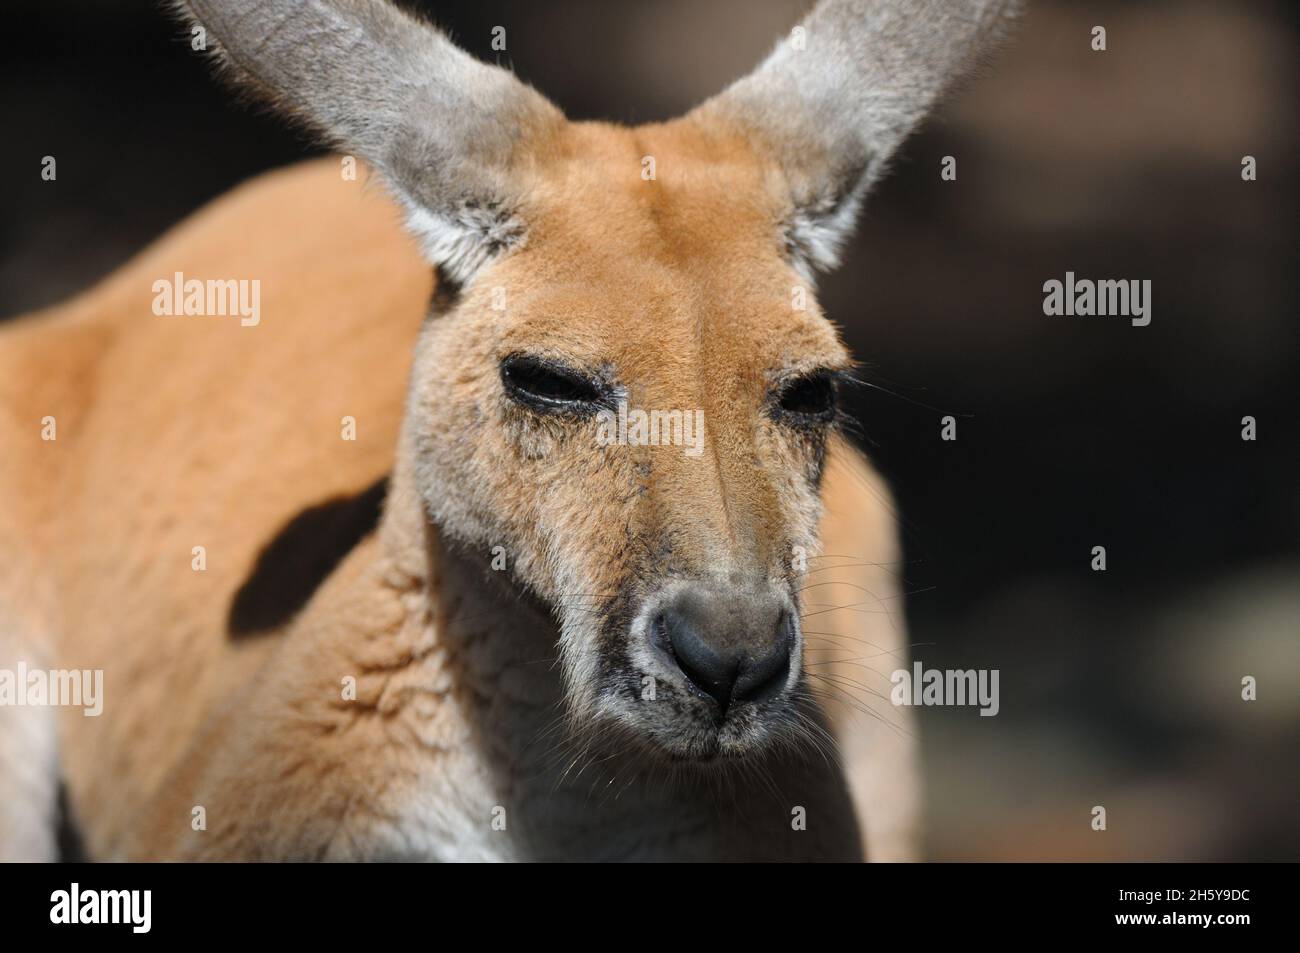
810, 398
547, 386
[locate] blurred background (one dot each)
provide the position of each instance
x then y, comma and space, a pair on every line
1120, 688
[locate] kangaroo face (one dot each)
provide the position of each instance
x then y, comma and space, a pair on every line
617, 284
638, 413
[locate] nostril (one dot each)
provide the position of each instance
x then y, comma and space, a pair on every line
763, 679
766, 675
713, 673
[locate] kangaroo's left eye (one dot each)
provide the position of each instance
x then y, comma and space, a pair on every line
549, 387
811, 398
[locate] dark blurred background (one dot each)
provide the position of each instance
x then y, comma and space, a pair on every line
1119, 688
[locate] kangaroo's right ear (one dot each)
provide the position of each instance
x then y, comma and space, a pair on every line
446, 131
835, 99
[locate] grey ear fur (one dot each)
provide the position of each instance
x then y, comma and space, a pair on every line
837, 97
447, 132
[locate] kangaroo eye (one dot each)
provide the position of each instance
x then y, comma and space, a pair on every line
544, 385
811, 398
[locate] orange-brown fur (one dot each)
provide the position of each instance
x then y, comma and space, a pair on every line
647, 674
175, 432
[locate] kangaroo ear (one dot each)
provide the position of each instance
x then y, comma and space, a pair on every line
836, 98
447, 132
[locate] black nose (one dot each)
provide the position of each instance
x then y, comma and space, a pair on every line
731, 647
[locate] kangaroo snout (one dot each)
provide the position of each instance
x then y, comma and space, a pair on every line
730, 646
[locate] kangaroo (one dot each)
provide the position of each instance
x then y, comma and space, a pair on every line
373, 577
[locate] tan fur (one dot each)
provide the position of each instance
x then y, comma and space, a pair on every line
180, 432
505, 712
184, 431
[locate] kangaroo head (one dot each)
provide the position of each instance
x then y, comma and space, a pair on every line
626, 383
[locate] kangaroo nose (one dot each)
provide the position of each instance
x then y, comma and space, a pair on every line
732, 648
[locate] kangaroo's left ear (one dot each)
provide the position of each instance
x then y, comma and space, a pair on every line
451, 136
835, 99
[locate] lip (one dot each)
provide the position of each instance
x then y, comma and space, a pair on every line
691, 737
711, 752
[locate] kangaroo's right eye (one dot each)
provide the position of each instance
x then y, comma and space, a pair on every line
546, 386
811, 398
